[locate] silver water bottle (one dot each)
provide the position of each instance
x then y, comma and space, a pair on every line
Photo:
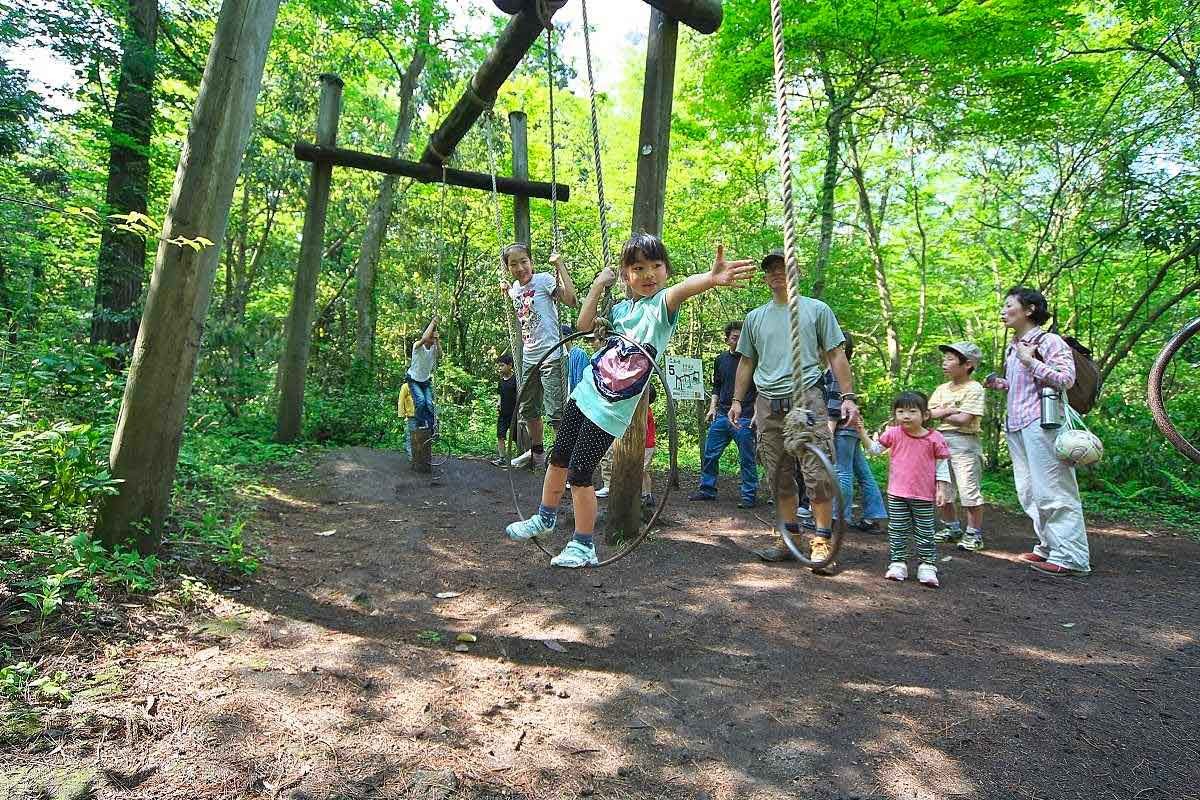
1051, 407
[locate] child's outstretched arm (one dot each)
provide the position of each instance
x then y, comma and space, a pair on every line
877, 446
723, 273
587, 314
863, 436
565, 288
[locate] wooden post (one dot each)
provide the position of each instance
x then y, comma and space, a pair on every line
517, 123
655, 139
145, 448
422, 454
294, 363
624, 499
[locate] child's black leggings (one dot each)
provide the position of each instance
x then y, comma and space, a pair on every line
579, 444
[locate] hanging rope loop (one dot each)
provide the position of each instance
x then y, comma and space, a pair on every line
789, 214
437, 285
556, 239
514, 340
605, 251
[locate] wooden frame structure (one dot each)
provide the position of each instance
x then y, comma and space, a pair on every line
515, 40
145, 449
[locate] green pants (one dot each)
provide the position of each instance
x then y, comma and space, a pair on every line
905, 516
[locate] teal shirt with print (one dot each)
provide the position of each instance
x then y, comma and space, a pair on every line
767, 338
648, 322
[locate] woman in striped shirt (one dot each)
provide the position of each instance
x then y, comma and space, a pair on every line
1046, 485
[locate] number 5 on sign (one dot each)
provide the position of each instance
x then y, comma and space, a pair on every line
687, 378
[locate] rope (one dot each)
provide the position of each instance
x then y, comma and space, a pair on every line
514, 341
785, 178
555, 235
437, 286
556, 240
605, 251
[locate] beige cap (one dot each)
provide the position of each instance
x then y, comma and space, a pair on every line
970, 352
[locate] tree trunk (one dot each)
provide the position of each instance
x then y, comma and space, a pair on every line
145, 446
829, 181
872, 223
366, 268
122, 259
922, 259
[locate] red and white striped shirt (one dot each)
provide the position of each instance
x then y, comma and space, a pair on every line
1057, 369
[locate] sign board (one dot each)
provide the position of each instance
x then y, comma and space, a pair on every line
686, 378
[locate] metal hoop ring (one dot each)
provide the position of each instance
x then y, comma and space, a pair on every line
645, 530
1154, 393
839, 525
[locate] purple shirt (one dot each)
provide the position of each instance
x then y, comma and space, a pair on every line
1057, 369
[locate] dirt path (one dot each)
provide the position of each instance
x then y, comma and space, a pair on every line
690, 670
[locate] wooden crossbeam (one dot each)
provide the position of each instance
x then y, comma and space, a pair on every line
700, 15
426, 173
515, 40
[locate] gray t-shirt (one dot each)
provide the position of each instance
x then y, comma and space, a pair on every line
537, 315
766, 338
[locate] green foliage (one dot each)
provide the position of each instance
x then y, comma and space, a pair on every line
50, 472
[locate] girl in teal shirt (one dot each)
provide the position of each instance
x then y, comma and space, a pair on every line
603, 403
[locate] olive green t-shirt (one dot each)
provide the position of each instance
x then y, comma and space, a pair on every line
766, 338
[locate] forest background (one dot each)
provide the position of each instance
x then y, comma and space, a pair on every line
944, 151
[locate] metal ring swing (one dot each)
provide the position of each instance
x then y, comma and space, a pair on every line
1154, 392
839, 525
645, 530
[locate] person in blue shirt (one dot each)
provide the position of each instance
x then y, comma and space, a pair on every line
577, 361
721, 431
604, 402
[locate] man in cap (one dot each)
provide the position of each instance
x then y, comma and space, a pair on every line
766, 364
957, 406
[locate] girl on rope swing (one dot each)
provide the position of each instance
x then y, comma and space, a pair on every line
603, 404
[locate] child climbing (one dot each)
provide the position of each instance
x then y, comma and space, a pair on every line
919, 476
604, 402
533, 296
425, 353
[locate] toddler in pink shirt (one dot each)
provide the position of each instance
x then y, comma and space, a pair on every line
918, 478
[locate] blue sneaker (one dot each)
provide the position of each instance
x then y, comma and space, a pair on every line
527, 529
576, 555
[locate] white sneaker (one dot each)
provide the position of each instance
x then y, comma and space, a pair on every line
927, 575
602, 492
527, 529
522, 459
897, 571
576, 555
